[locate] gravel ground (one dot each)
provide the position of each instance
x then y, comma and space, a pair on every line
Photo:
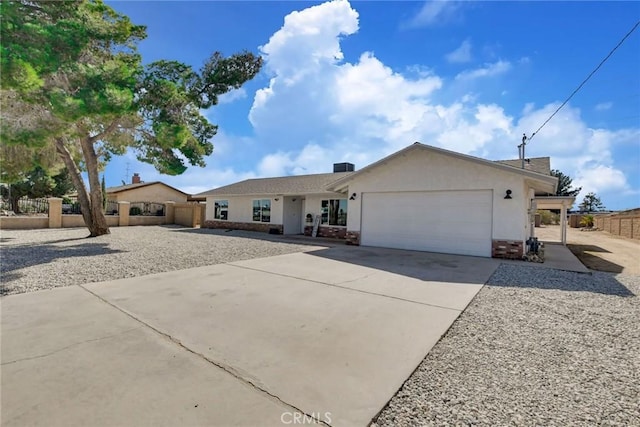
535, 347
32, 260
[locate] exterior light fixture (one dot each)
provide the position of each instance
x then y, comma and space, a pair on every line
508, 196
276, 199
353, 196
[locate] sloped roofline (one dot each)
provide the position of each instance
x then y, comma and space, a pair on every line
321, 190
128, 187
342, 183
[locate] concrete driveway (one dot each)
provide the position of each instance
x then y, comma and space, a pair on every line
327, 335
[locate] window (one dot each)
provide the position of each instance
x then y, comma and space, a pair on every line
221, 209
334, 212
262, 210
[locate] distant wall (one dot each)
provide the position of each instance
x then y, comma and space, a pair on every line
621, 224
23, 222
187, 214
146, 220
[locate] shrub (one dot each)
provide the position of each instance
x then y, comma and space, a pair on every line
587, 221
135, 210
549, 218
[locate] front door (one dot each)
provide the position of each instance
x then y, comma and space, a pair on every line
292, 215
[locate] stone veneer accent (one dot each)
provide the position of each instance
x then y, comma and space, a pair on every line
250, 226
323, 231
509, 249
353, 238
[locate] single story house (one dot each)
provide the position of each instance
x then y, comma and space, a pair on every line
419, 198
139, 191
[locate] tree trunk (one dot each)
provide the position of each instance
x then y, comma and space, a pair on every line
14, 204
78, 183
99, 221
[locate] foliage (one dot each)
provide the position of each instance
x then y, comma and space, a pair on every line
564, 184
36, 184
591, 203
587, 221
135, 210
19, 160
548, 217
63, 184
103, 189
78, 83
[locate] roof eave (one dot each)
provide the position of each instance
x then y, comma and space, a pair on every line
342, 183
280, 194
554, 202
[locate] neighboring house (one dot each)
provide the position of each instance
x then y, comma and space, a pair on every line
419, 198
139, 191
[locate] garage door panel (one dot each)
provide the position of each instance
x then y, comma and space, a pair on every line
439, 221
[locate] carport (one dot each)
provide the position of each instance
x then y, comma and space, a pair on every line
562, 203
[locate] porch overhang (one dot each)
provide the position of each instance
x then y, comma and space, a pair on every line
562, 203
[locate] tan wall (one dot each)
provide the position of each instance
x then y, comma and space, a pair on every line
620, 224
72, 221
574, 220
24, 222
203, 213
78, 221
146, 220
192, 211
152, 193
186, 214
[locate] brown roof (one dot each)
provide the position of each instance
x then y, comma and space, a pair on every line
120, 188
291, 185
534, 164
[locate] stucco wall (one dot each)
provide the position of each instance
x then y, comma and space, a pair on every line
146, 220
428, 171
623, 224
313, 205
152, 193
23, 222
67, 221
72, 221
241, 208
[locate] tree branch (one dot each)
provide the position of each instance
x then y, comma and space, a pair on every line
112, 126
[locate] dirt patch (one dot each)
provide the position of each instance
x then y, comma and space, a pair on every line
587, 255
598, 250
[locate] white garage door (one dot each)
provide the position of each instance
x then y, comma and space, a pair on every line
455, 222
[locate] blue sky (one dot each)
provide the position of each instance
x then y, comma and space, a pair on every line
355, 81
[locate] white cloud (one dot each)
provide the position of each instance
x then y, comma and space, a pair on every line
603, 106
434, 12
488, 70
233, 95
309, 38
600, 179
583, 153
461, 54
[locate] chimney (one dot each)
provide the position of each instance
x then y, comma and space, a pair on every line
343, 167
135, 179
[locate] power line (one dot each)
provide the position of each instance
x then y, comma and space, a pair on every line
584, 81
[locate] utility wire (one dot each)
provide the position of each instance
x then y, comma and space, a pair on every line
585, 80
